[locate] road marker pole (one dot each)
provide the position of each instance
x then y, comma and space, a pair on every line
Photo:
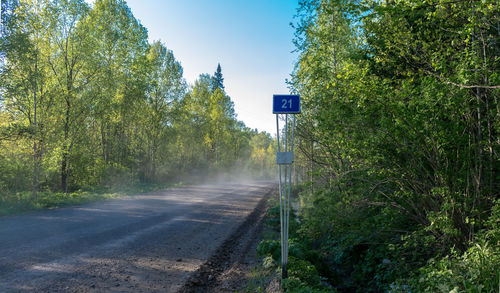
285, 104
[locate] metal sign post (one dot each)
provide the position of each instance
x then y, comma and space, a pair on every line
287, 105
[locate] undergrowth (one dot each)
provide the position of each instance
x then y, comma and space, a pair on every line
303, 275
357, 254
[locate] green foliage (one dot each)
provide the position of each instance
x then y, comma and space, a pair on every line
263, 155
269, 248
492, 232
398, 139
87, 101
295, 285
257, 281
218, 80
22, 201
303, 270
475, 270
303, 277
13, 203
303, 260
273, 218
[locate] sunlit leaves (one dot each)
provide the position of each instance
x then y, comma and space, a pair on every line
401, 112
88, 101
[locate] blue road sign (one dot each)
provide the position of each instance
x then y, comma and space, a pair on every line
286, 104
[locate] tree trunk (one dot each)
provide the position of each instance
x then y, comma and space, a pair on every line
36, 158
312, 167
104, 146
64, 174
153, 161
65, 150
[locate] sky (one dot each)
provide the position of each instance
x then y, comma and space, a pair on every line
251, 39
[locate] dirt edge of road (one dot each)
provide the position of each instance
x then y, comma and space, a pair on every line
224, 270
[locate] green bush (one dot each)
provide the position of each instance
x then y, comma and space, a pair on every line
475, 270
273, 218
269, 248
295, 249
304, 271
294, 285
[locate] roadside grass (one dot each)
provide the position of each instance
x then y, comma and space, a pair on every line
263, 279
303, 275
257, 281
21, 202
259, 278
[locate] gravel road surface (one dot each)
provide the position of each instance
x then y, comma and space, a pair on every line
154, 242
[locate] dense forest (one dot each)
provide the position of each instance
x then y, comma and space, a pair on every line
86, 101
399, 143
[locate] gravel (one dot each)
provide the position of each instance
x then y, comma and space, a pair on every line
191, 239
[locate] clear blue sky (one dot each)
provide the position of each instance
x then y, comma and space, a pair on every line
251, 39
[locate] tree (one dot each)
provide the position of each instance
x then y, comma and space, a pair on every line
167, 88
209, 136
220, 125
85, 100
453, 75
119, 63
398, 123
70, 48
218, 80
24, 77
263, 155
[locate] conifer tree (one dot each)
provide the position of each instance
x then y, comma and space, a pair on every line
218, 81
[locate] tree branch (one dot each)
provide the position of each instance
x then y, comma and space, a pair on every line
463, 86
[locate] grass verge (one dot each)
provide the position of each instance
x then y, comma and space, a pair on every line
303, 275
265, 278
24, 202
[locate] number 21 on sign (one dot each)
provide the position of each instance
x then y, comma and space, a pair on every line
286, 104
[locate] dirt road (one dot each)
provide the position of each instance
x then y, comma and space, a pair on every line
145, 243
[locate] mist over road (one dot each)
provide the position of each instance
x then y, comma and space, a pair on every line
142, 243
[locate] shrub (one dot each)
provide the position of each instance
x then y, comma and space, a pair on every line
269, 248
304, 271
475, 270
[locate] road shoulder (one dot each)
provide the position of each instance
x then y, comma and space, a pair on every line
229, 268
